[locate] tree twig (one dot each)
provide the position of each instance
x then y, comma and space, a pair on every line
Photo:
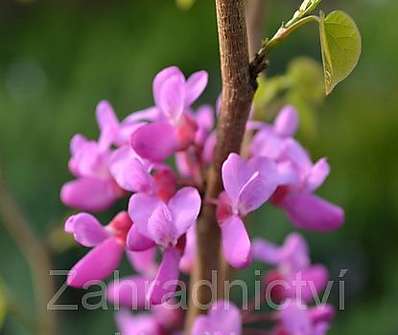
237, 94
35, 253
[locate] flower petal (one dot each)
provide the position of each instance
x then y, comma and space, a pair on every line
265, 143
161, 77
294, 254
89, 194
155, 141
265, 251
161, 226
98, 264
165, 283
235, 175
141, 207
235, 242
185, 208
188, 258
128, 292
137, 324
108, 124
286, 123
195, 86
129, 172
223, 319
171, 97
144, 262
259, 189
86, 229
322, 313
137, 241
315, 279
76, 143
308, 211
294, 318
318, 174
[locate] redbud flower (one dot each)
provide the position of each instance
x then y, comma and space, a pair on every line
224, 318
165, 224
297, 319
248, 184
294, 271
134, 174
174, 129
94, 188
140, 324
108, 245
299, 176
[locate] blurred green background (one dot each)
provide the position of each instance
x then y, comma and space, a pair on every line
59, 58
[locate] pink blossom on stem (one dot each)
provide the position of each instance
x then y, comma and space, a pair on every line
224, 318
299, 176
297, 319
107, 243
166, 225
300, 279
174, 127
248, 184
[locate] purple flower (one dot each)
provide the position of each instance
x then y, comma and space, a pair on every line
224, 318
164, 224
297, 319
175, 129
248, 184
163, 319
299, 176
134, 174
140, 324
294, 276
94, 188
107, 243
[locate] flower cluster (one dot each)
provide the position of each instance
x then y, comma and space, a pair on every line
129, 160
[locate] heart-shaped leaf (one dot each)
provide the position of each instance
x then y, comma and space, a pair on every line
341, 47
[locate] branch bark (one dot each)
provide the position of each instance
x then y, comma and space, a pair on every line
36, 255
238, 87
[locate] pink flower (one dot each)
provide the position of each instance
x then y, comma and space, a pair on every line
107, 243
294, 276
166, 225
224, 318
140, 324
94, 188
248, 185
134, 174
297, 319
299, 176
175, 129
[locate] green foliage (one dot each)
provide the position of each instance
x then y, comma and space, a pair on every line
3, 304
301, 86
340, 41
341, 47
185, 4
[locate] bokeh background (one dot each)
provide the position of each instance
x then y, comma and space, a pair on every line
59, 58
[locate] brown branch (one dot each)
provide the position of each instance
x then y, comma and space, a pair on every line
35, 253
238, 89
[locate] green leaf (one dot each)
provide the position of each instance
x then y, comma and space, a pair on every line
341, 47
